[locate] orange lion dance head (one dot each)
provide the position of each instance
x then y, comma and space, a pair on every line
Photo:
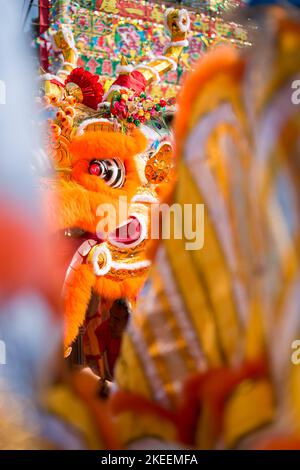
113, 158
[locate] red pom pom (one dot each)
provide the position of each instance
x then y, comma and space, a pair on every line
134, 81
91, 89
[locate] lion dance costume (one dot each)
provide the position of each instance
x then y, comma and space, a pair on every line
112, 153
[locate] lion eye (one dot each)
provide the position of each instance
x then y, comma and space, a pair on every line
111, 170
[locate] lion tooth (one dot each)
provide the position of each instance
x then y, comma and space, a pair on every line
77, 259
85, 248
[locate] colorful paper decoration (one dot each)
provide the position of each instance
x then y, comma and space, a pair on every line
106, 29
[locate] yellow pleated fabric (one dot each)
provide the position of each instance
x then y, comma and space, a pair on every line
229, 300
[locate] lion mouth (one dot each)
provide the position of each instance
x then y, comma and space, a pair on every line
83, 247
130, 234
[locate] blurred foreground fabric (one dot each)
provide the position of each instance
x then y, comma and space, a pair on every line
206, 361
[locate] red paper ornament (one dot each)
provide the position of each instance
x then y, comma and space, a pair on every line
91, 89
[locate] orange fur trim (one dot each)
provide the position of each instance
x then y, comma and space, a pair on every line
78, 293
113, 290
77, 205
79, 196
221, 60
102, 145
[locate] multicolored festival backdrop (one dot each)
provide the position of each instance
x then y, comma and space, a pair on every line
104, 30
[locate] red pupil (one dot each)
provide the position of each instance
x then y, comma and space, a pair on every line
95, 169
